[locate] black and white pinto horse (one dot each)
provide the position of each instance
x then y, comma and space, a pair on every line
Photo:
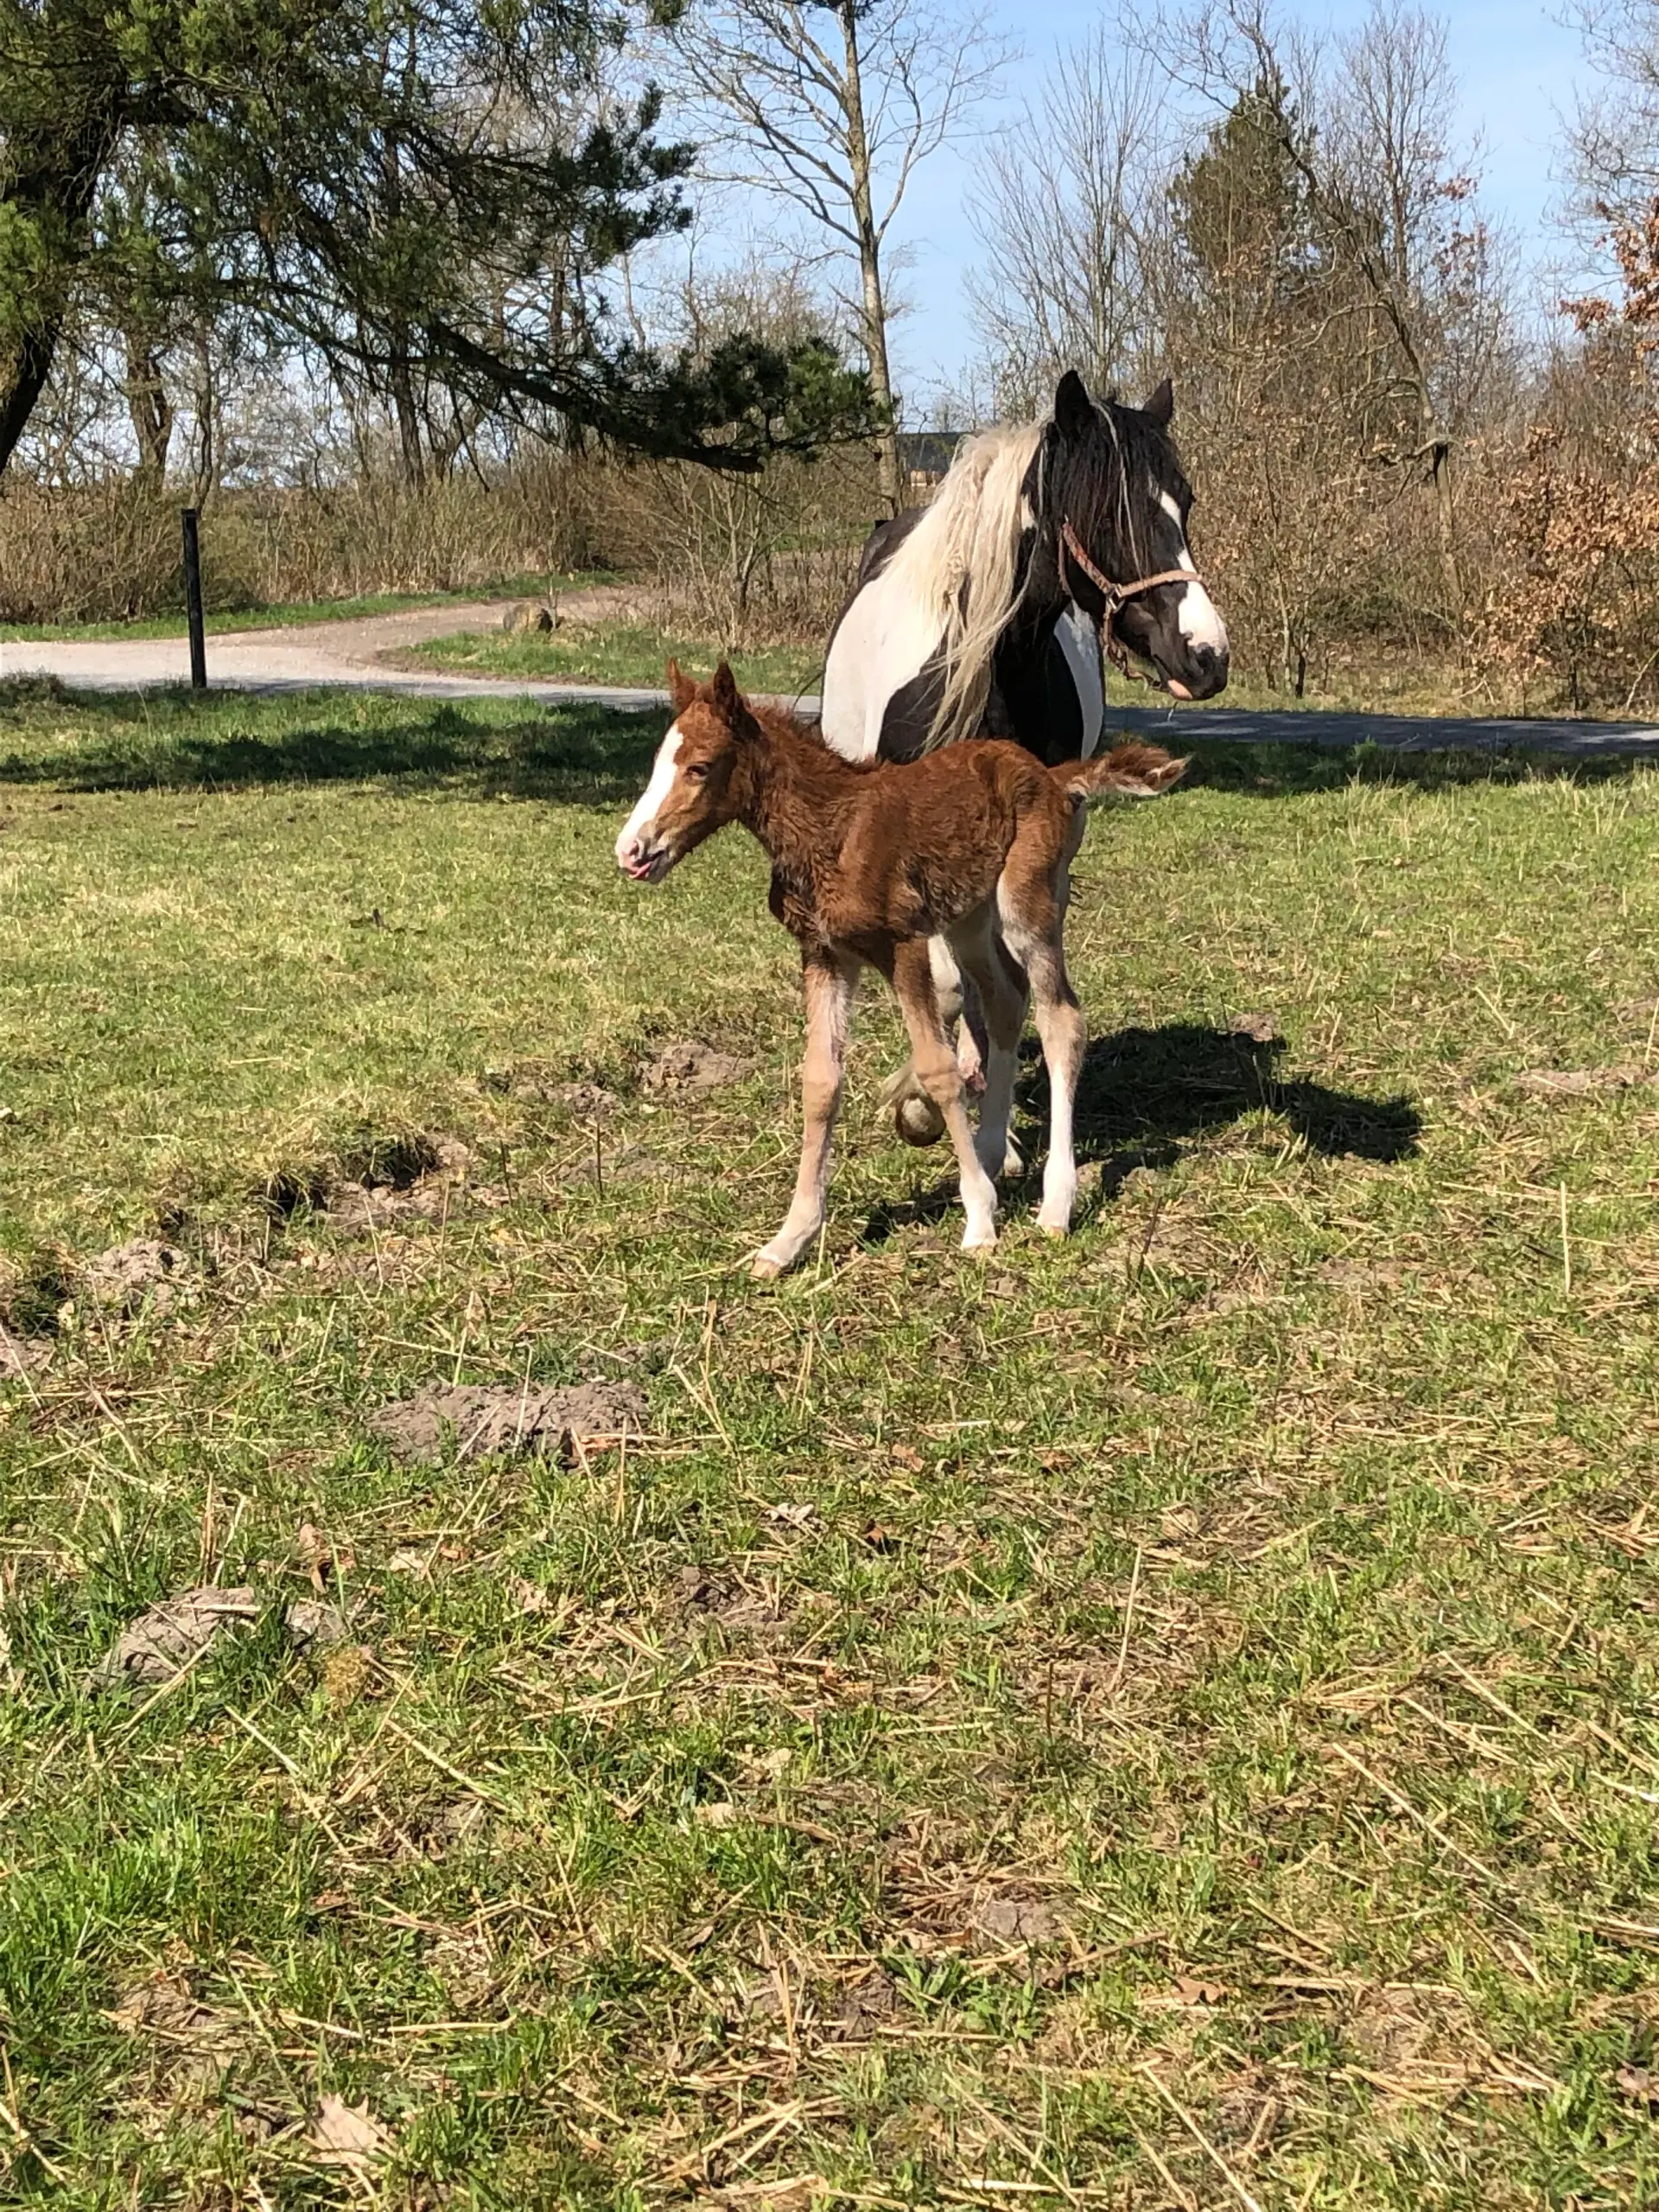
986, 613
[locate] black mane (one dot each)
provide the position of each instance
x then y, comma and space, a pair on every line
1102, 485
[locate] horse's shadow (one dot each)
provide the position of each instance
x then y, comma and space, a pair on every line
1146, 1093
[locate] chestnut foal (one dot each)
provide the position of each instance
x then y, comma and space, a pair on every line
870, 860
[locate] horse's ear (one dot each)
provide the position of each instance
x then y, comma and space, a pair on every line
1073, 409
1161, 405
680, 689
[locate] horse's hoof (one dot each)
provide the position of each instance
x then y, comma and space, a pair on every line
764, 1268
1054, 1230
917, 1120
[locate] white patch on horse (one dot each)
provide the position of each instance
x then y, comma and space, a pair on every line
1079, 646
1198, 616
662, 781
883, 643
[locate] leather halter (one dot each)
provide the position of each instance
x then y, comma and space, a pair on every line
1116, 595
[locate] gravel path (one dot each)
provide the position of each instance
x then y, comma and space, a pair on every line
363, 654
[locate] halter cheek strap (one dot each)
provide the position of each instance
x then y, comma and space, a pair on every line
1115, 594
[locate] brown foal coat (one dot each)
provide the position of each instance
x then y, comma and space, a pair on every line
972, 843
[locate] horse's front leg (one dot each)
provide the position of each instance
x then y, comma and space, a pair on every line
828, 984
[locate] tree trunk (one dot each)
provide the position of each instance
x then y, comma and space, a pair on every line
149, 408
47, 185
874, 317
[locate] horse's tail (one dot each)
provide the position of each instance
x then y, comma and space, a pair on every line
1129, 771
961, 562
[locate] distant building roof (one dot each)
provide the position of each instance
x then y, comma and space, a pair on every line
927, 453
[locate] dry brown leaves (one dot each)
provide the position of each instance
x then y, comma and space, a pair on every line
347, 2135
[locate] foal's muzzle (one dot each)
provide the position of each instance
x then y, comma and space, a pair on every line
643, 860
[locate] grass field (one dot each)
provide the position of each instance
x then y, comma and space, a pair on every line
1164, 1721
633, 654
296, 613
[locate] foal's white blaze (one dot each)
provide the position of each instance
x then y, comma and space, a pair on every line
645, 813
1198, 616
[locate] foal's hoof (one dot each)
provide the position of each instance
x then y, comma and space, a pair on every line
764, 1268
917, 1120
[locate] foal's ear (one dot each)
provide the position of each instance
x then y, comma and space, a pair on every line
1073, 409
680, 689
728, 702
1161, 405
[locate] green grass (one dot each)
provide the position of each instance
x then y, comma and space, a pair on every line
300, 613
1211, 1663
624, 653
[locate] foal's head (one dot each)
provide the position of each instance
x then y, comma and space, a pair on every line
690, 793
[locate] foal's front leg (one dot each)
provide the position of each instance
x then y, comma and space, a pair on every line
828, 984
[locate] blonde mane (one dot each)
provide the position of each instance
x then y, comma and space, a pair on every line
961, 562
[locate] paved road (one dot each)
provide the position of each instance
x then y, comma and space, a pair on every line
362, 655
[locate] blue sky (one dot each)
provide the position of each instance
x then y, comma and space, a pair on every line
1516, 69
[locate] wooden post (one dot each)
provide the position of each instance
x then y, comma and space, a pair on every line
193, 602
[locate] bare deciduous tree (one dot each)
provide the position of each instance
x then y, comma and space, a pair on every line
834, 104
1071, 215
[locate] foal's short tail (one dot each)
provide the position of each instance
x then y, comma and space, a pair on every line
1129, 771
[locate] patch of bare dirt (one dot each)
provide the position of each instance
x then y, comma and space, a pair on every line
603, 1164
584, 1102
1256, 1028
184, 2035
393, 1202
688, 1065
144, 1274
1361, 1275
491, 1420
22, 1356
162, 1642
1582, 1082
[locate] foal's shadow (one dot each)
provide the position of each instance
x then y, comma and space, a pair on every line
1146, 1092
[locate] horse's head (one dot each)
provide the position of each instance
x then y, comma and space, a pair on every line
1115, 480
690, 795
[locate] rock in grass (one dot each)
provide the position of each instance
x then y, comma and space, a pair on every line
485, 1422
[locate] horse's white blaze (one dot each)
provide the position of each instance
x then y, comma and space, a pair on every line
1200, 620
883, 643
1075, 634
662, 781
1198, 616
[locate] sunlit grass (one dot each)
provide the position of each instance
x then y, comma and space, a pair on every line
1006, 1721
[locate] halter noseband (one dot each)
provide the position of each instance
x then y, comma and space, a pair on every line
1116, 595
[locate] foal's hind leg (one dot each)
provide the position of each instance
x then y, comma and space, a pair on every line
1000, 989
829, 985
936, 1065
